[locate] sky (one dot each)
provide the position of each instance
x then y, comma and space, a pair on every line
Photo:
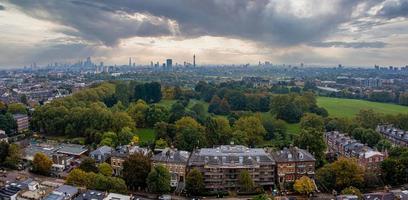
313, 32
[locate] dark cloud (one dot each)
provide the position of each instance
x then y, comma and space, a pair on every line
350, 44
393, 9
2, 7
264, 21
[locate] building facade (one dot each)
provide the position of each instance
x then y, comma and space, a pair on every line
293, 163
22, 122
221, 166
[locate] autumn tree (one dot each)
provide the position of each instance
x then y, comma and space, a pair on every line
304, 185
341, 174
42, 164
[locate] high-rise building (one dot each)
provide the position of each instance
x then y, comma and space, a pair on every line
169, 63
130, 62
194, 60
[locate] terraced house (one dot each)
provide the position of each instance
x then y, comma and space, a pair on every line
339, 144
396, 136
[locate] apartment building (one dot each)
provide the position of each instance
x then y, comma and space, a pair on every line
221, 166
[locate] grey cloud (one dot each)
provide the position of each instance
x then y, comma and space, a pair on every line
262, 21
2, 7
94, 23
393, 9
350, 44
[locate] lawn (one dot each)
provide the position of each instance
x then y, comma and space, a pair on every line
350, 107
167, 103
146, 135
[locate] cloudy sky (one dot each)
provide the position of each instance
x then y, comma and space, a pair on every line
320, 32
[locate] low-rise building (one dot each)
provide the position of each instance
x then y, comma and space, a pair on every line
221, 166
396, 136
101, 154
175, 161
293, 163
115, 196
64, 192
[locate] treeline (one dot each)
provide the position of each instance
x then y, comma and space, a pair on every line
93, 111
225, 99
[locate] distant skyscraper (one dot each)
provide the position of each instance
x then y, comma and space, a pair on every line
169, 63
194, 60
130, 62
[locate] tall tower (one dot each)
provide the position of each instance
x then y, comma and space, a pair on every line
130, 62
194, 60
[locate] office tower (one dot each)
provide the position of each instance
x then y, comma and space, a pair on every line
130, 62
194, 60
169, 63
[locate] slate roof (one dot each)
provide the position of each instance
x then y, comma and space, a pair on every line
292, 154
230, 155
103, 150
172, 156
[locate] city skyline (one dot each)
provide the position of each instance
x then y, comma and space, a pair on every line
347, 32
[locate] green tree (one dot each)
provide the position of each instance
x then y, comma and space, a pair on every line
310, 120
4, 148
124, 136
253, 127
352, 191
245, 181
122, 93
304, 185
42, 164
312, 139
13, 157
17, 108
158, 180
190, 134
135, 170
155, 114
105, 169
77, 177
218, 130
195, 182
88, 165
161, 144
367, 118
117, 185
138, 112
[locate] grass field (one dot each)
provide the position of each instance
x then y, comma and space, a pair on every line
350, 107
146, 135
